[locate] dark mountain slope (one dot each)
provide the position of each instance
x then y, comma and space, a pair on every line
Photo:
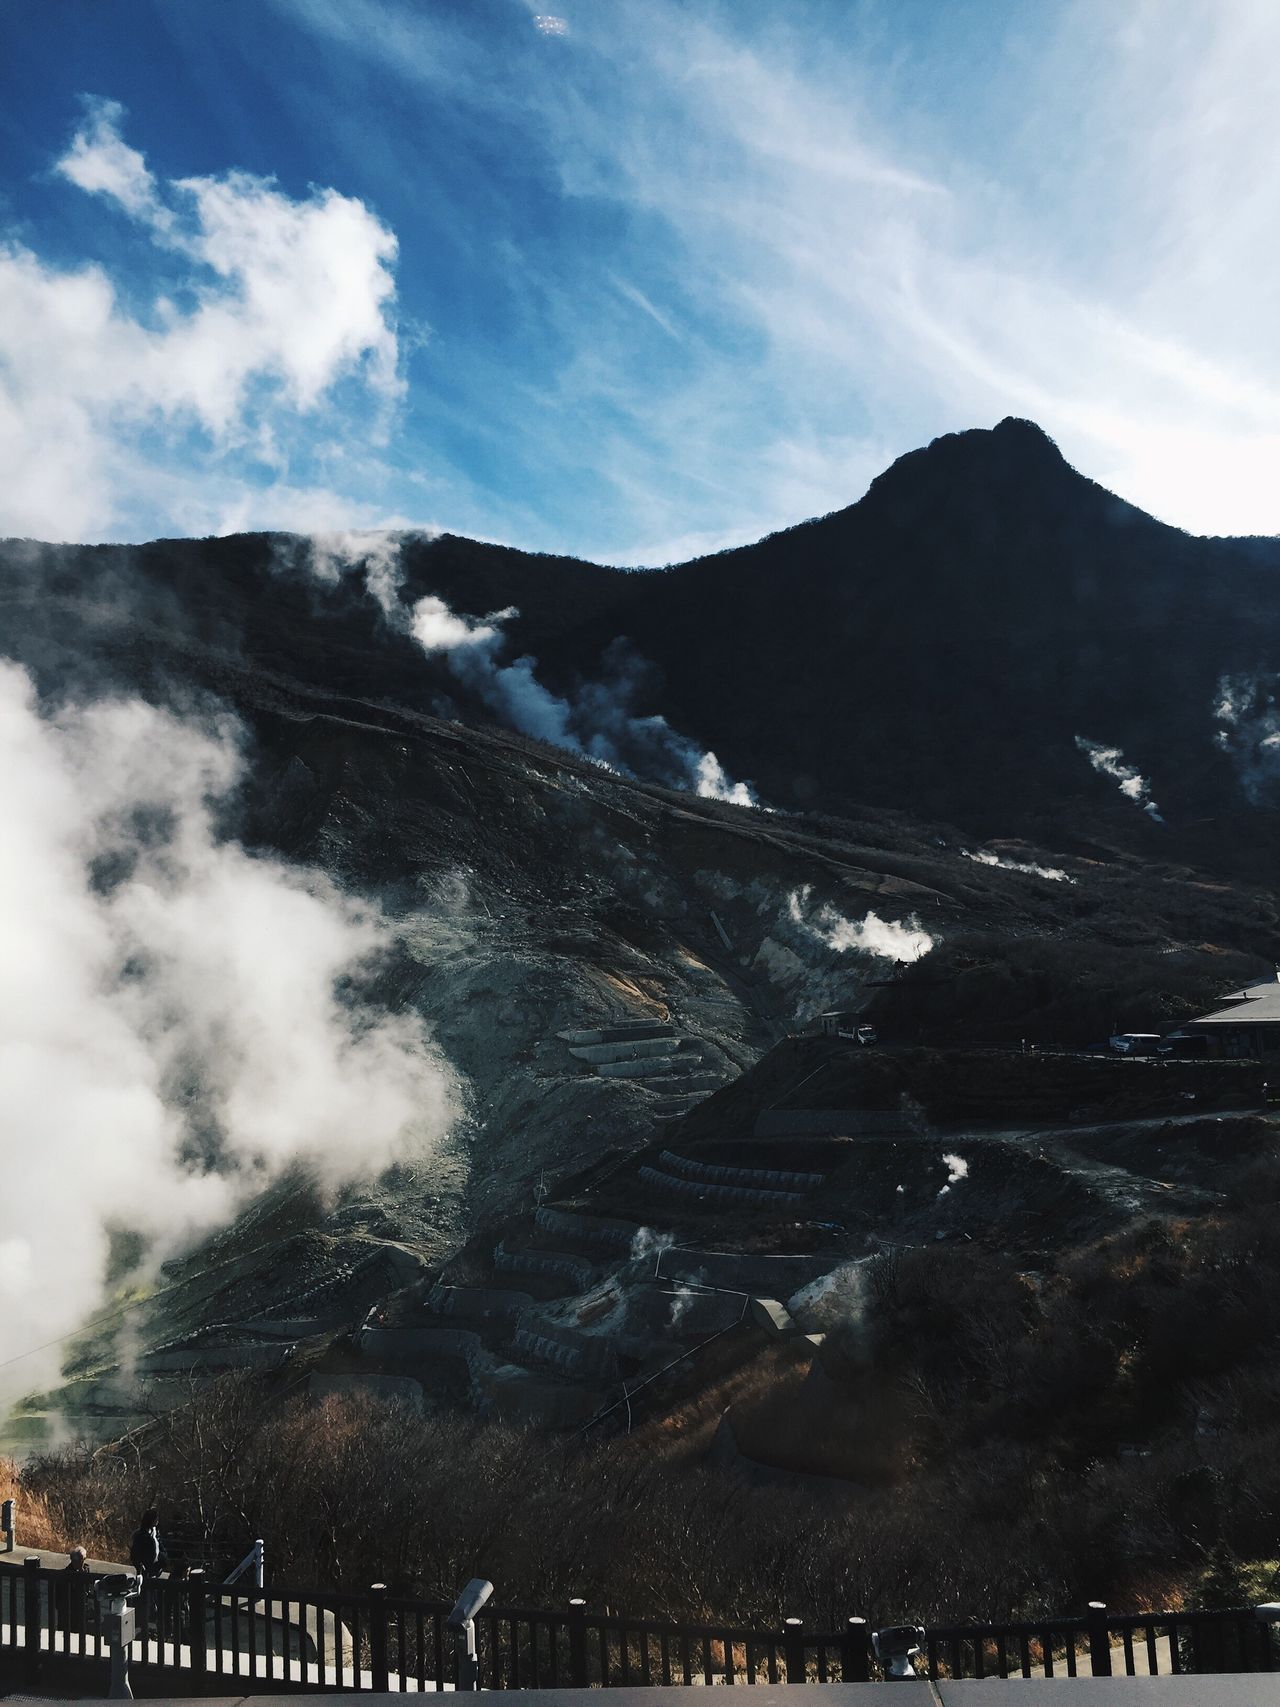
937, 647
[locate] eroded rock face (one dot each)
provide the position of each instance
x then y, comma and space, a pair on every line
926, 659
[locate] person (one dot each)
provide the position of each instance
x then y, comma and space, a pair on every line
70, 1594
145, 1551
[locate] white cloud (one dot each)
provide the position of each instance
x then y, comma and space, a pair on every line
180, 1020
101, 162
871, 276
100, 406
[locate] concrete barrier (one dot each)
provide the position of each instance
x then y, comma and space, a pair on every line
629, 1049
412, 1345
211, 1357
567, 1349
653, 1067
747, 1197
761, 1276
484, 1301
715, 1173
618, 1032
590, 1229
559, 1265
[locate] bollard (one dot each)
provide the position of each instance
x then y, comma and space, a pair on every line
1268, 1616
896, 1648
196, 1625
119, 1624
578, 1643
32, 1619
8, 1525
1099, 1639
855, 1652
378, 1667
462, 1621
793, 1648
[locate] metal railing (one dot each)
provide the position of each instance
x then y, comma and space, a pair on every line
198, 1636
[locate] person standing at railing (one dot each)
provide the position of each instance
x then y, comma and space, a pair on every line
145, 1550
70, 1593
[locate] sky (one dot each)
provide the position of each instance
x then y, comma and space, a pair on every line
632, 281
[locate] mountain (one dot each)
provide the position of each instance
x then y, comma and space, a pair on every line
943, 646
907, 683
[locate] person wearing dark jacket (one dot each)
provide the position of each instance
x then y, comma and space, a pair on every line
145, 1551
70, 1593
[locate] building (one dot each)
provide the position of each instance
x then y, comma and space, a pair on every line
1247, 1026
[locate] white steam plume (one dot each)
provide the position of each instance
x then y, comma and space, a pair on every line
983, 857
901, 940
1248, 730
647, 1242
597, 722
180, 1020
957, 1169
1110, 761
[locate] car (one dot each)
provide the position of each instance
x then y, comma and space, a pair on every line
867, 1034
1135, 1042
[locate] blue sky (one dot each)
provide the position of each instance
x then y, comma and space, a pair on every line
628, 280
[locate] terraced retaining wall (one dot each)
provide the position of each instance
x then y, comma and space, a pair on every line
411, 1345
590, 1229
762, 1276
753, 1198
566, 1349
478, 1301
559, 1264
714, 1173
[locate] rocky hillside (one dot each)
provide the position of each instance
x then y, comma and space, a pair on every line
986, 638
1013, 741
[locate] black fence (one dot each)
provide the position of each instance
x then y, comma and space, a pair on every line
194, 1637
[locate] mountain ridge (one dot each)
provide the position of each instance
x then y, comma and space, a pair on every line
958, 642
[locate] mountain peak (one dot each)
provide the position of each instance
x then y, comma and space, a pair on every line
992, 464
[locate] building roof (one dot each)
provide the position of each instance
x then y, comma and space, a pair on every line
1258, 1005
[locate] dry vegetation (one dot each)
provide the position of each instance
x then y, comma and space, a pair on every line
1105, 1425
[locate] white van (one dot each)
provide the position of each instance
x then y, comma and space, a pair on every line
1135, 1042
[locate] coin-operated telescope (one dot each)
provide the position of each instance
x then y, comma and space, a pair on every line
462, 1621
896, 1649
118, 1620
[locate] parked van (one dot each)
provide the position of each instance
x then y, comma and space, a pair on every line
1135, 1043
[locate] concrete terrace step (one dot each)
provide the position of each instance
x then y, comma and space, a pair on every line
764, 1179
587, 1229
484, 1302
244, 1355
653, 1067
412, 1345
703, 1192
618, 1033
631, 1049
560, 1264
567, 1349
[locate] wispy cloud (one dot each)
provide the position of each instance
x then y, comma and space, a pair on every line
104, 408
874, 275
